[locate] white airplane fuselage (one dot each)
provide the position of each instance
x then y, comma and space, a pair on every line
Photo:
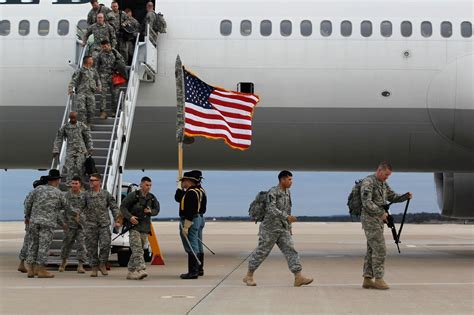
327, 103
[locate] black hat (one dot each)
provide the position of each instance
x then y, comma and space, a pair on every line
53, 174
194, 175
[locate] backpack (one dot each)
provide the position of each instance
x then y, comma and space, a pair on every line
159, 24
354, 202
89, 166
258, 207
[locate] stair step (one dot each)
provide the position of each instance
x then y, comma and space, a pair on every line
101, 135
101, 143
107, 128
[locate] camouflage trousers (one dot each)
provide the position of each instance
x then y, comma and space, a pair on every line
74, 164
376, 250
108, 88
98, 240
267, 239
26, 243
74, 235
41, 239
85, 103
137, 242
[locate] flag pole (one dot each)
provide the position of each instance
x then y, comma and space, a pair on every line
180, 112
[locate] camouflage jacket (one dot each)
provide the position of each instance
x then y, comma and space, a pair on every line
78, 138
101, 32
278, 209
109, 62
116, 19
134, 205
374, 194
85, 80
77, 203
92, 15
44, 206
96, 212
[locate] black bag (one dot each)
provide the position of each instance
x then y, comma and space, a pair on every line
89, 166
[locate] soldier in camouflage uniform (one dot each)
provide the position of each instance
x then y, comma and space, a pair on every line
96, 9
276, 229
375, 193
75, 234
117, 18
131, 28
79, 144
155, 20
109, 61
27, 238
101, 31
97, 224
43, 211
86, 82
137, 208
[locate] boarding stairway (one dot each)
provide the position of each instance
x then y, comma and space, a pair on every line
111, 136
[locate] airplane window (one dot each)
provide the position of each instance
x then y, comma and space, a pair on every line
426, 29
386, 28
406, 28
4, 27
245, 27
266, 27
82, 25
285, 28
63, 27
366, 28
326, 28
346, 28
43, 27
306, 28
24, 27
446, 29
466, 29
226, 27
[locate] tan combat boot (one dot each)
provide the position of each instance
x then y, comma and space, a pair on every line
94, 271
301, 280
62, 266
43, 273
133, 275
80, 268
103, 270
103, 115
368, 283
142, 274
30, 268
21, 267
380, 284
248, 280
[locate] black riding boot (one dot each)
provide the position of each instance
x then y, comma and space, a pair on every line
201, 267
193, 268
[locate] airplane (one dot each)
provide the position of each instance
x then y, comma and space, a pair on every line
343, 85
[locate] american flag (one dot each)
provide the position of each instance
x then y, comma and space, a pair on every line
216, 113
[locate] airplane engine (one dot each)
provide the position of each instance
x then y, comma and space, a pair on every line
455, 192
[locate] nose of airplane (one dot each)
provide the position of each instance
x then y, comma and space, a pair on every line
450, 102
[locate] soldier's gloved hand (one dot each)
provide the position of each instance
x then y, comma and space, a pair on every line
186, 226
291, 218
179, 185
386, 207
133, 220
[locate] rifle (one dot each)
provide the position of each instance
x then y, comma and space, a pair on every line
127, 225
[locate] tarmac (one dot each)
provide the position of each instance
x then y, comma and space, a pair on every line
434, 274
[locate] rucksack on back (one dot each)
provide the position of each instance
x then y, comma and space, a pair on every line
159, 25
257, 208
354, 202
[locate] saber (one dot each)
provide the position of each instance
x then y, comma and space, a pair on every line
206, 246
189, 244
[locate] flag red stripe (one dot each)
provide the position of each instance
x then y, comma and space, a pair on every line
240, 97
217, 117
230, 105
214, 136
193, 122
231, 115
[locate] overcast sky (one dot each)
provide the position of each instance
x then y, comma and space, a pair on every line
230, 193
